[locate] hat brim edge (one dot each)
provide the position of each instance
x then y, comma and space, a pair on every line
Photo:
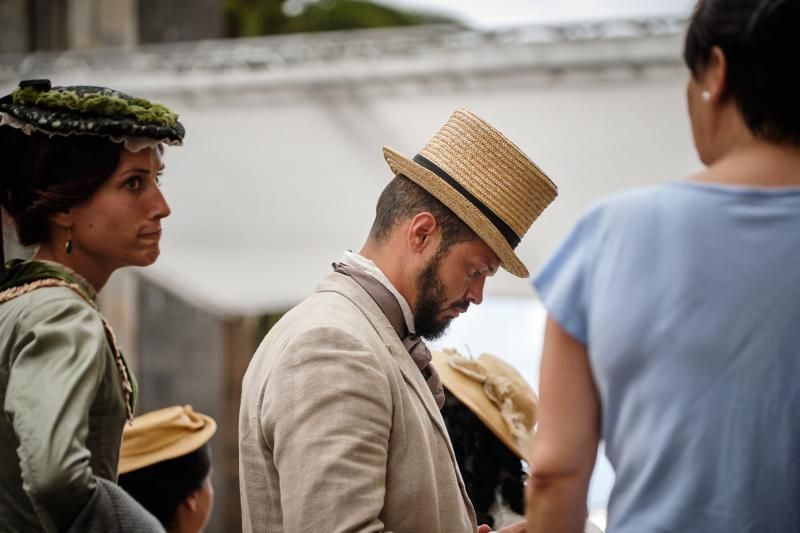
194, 442
449, 380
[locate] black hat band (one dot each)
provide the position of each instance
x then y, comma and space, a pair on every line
505, 230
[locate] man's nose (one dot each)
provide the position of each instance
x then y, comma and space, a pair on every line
475, 290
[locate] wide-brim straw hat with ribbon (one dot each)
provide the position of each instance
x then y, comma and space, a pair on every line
482, 177
495, 392
162, 435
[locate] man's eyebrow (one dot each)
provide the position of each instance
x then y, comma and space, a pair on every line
490, 269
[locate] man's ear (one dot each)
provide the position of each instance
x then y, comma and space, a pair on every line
421, 231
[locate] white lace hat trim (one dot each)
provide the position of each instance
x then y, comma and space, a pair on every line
132, 144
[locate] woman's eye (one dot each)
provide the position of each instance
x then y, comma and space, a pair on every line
133, 183
158, 180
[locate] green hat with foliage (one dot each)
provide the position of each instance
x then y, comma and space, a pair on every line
85, 110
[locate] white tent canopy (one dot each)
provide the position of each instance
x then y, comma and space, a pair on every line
282, 162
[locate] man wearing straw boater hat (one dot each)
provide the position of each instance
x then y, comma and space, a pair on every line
339, 426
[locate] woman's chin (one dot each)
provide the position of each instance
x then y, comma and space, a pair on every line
146, 259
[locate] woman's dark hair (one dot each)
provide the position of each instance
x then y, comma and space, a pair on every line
759, 40
161, 487
44, 175
486, 463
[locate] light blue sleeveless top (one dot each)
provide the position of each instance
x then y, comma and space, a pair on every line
688, 298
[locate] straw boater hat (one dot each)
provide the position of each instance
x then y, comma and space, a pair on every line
161, 435
495, 392
484, 179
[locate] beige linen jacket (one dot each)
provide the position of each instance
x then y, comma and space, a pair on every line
338, 431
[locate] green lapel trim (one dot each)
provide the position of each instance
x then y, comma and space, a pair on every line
19, 272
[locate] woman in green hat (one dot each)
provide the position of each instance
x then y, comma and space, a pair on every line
80, 181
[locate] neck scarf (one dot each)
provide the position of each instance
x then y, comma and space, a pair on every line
391, 308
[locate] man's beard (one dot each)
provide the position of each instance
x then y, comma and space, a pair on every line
431, 300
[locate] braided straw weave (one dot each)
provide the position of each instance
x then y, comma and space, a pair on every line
495, 392
491, 168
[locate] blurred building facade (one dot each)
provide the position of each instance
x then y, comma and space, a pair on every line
46, 25
282, 167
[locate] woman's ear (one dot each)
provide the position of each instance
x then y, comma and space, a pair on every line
716, 75
62, 218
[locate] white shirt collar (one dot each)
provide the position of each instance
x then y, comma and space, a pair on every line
359, 261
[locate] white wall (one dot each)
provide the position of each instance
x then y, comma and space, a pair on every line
275, 190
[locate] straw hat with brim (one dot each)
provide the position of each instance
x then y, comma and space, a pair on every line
482, 177
495, 392
164, 434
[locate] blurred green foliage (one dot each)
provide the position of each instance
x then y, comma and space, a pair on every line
247, 18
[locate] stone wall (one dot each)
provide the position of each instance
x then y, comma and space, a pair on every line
180, 20
15, 34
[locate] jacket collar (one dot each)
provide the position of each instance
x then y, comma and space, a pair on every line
351, 290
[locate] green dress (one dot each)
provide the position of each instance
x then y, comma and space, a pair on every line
64, 397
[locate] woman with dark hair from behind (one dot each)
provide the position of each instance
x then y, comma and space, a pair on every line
492, 473
673, 311
80, 181
165, 464
490, 412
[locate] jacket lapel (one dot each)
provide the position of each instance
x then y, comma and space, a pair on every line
355, 293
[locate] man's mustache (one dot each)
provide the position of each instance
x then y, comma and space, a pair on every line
461, 306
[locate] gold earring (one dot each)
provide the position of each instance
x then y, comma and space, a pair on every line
68, 245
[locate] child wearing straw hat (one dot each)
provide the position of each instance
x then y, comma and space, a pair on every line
165, 464
340, 428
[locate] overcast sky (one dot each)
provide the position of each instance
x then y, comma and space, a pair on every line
503, 13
